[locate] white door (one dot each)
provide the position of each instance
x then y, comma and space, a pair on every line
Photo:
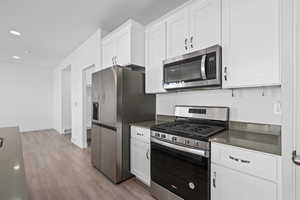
140, 160
155, 54
227, 184
297, 132
177, 34
250, 41
123, 48
108, 53
205, 24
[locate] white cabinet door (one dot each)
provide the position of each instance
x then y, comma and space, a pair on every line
178, 34
250, 40
227, 184
205, 24
108, 53
140, 160
123, 48
155, 54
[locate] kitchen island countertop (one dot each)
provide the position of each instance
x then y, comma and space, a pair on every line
12, 174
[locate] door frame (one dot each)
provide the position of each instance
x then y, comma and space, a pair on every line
68, 69
289, 98
84, 108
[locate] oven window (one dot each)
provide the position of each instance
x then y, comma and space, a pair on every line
186, 175
184, 71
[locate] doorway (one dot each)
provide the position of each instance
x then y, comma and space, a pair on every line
87, 104
66, 100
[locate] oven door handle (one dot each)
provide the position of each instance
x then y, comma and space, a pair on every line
203, 71
181, 148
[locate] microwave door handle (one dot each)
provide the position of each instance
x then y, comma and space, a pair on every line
203, 72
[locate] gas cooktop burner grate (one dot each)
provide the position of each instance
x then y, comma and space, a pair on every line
188, 129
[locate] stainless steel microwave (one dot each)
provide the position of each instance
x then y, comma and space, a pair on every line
199, 69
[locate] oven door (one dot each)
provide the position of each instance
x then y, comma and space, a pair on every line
182, 173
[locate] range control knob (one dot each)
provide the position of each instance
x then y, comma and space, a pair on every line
187, 142
191, 185
163, 136
174, 139
157, 135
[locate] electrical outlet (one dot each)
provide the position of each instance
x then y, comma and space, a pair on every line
277, 108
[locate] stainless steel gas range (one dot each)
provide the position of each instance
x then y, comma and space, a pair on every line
180, 153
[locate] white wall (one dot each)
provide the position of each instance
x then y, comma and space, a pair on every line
247, 105
26, 97
87, 54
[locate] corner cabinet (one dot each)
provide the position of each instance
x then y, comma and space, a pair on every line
194, 27
140, 154
241, 174
124, 46
250, 41
155, 54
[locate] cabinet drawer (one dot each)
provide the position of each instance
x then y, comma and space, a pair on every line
251, 162
142, 134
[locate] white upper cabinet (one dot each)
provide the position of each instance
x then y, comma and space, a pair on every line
205, 24
250, 41
124, 46
155, 54
108, 53
194, 27
177, 34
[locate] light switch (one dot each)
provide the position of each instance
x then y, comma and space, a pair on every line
277, 108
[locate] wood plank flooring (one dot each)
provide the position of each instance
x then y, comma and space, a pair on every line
58, 170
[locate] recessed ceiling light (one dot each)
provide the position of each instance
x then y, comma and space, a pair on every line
13, 32
16, 57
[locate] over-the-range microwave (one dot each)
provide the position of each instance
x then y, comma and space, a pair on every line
199, 69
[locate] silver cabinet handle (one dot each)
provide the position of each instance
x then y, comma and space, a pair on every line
240, 160
246, 161
225, 73
215, 180
1, 142
191, 40
116, 59
203, 72
140, 134
185, 44
147, 154
113, 60
296, 159
233, 158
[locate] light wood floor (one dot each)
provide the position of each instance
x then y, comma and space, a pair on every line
58, 170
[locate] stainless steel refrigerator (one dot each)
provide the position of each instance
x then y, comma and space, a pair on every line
118, 99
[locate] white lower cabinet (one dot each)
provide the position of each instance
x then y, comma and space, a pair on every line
140, 158
228, 184
242, 174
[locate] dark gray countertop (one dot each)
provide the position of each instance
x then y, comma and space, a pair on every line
267, 143
147, 124
12, 173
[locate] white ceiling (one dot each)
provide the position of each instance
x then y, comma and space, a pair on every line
51, 29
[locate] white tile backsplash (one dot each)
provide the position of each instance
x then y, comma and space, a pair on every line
247, 105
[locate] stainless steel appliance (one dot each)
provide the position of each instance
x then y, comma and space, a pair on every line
194, 70
118, 99
180, 153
